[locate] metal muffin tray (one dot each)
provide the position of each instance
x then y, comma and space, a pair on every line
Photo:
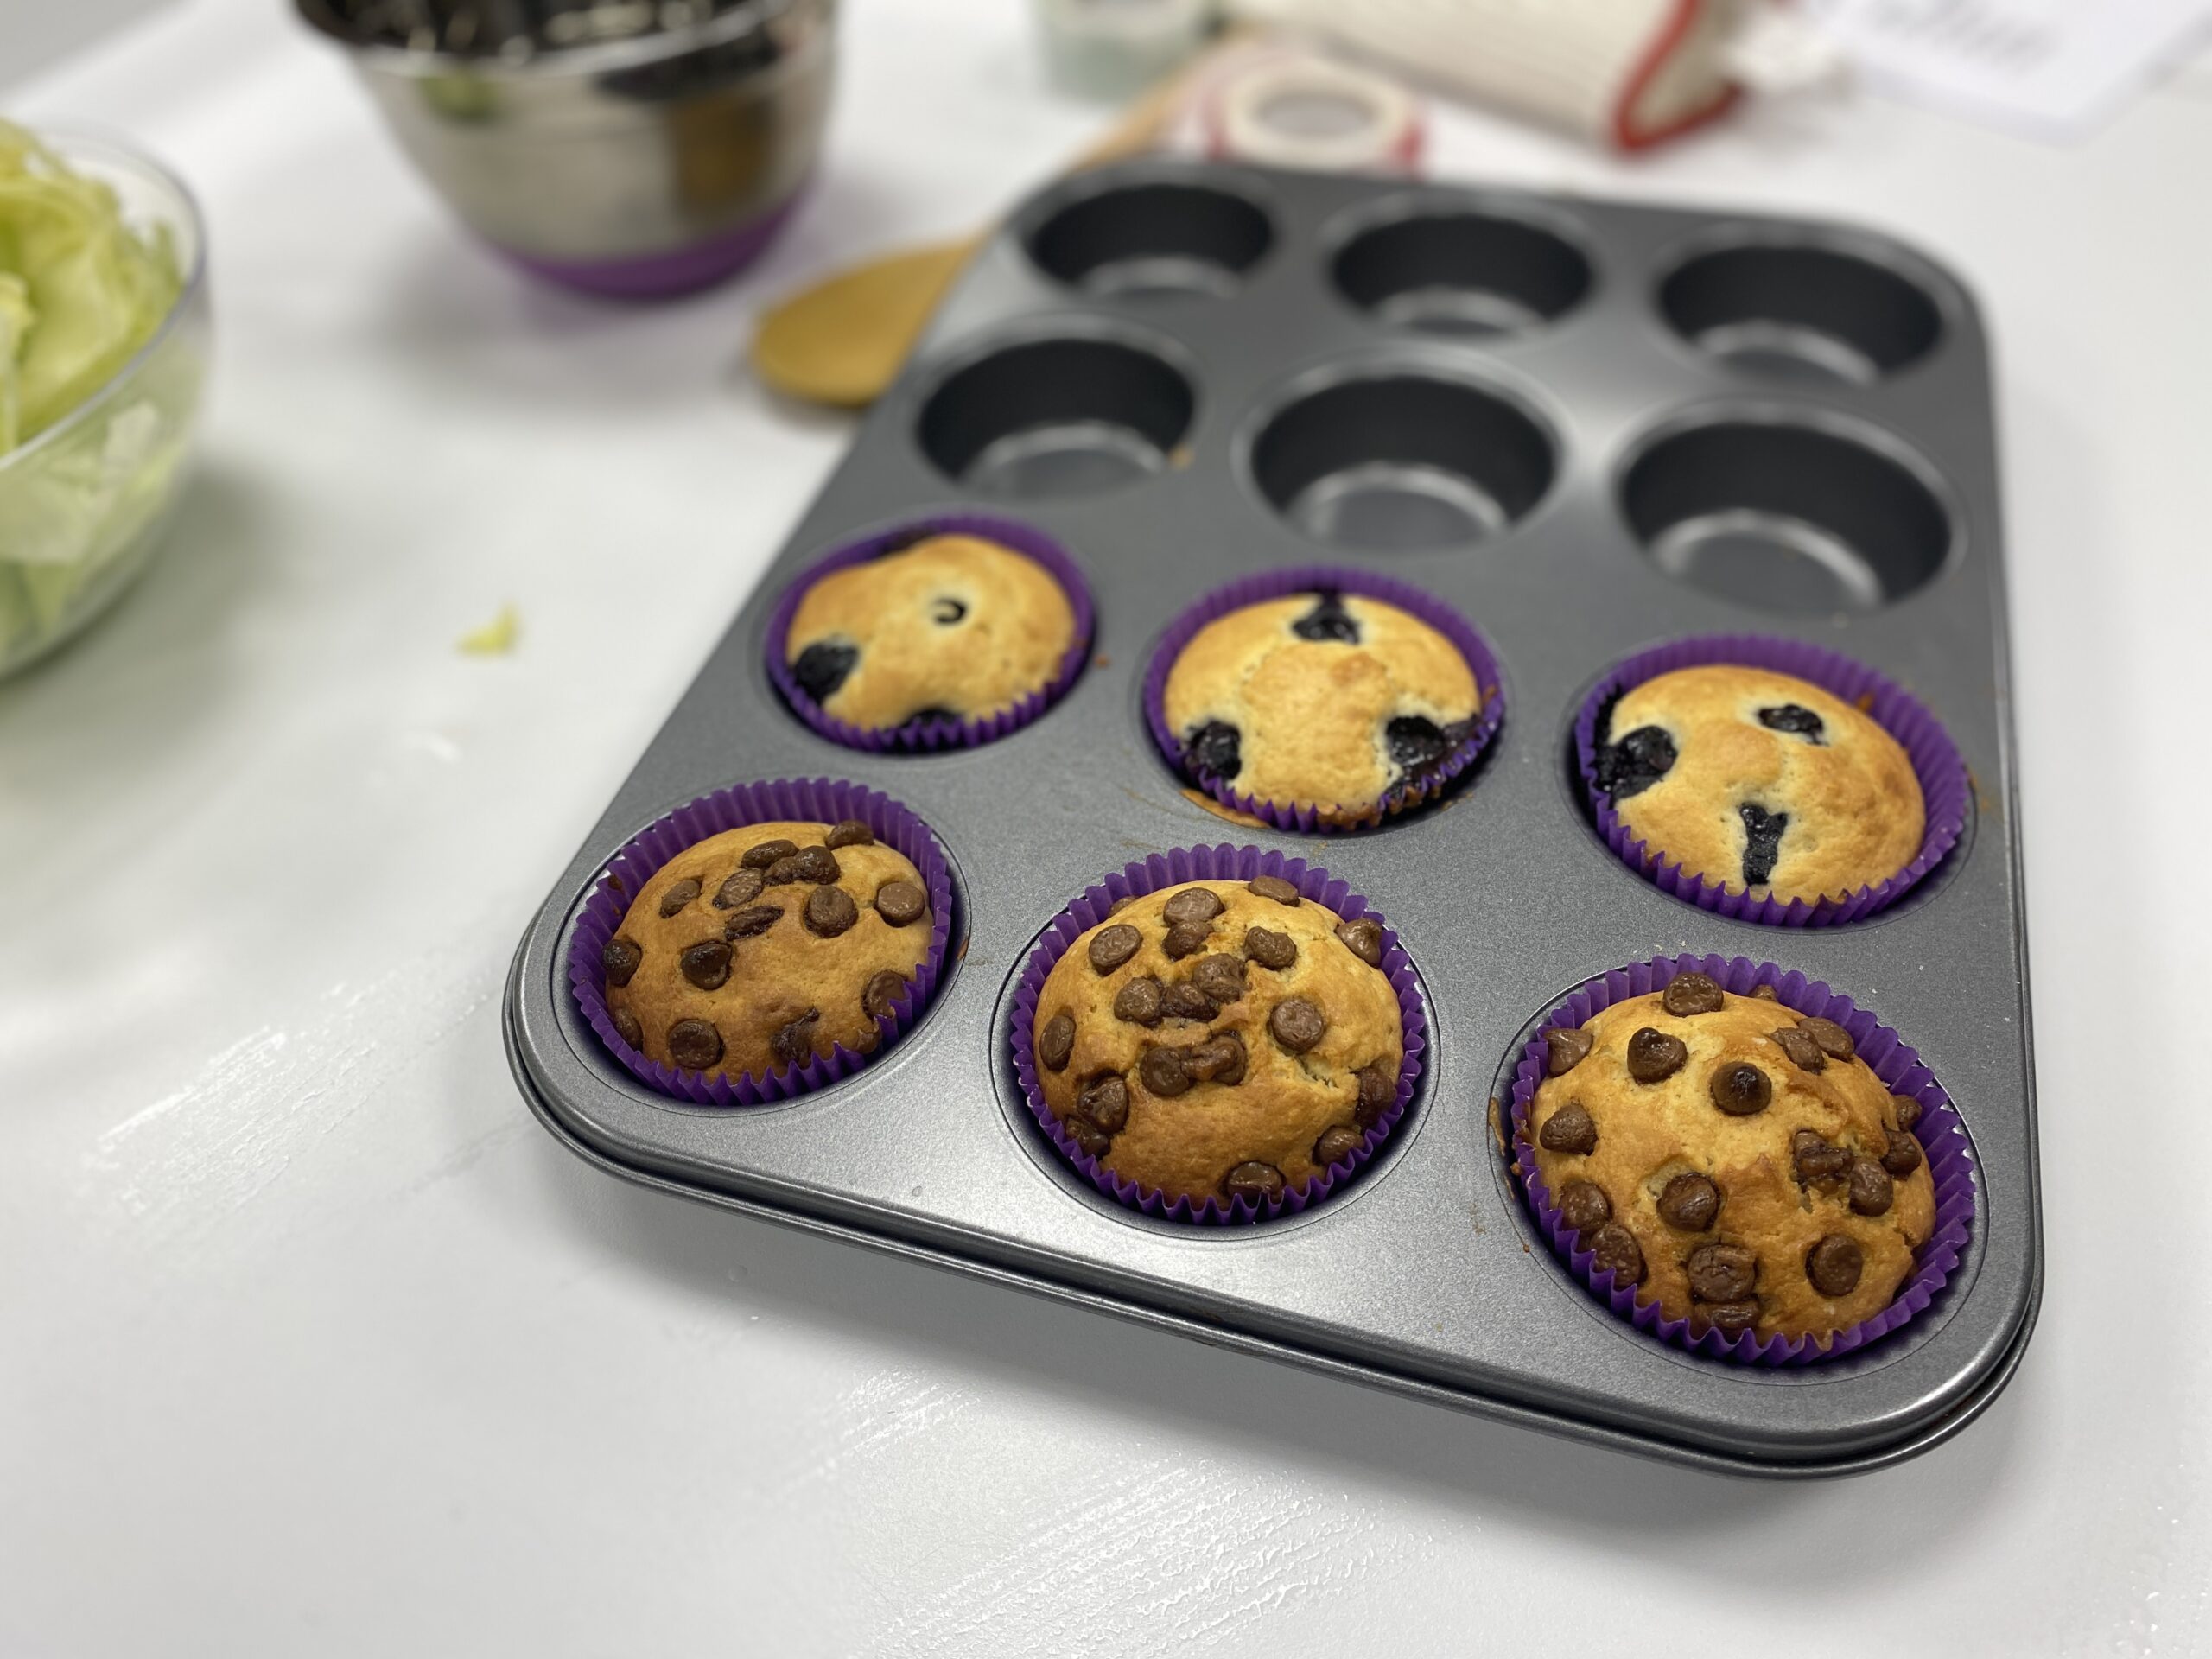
1588, 426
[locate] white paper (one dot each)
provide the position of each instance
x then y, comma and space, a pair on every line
2057, 67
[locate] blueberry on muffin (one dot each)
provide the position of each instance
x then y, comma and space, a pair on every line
762, 947
950, 627
1760, 782
1326, 701
1220, 1040
1736, 1161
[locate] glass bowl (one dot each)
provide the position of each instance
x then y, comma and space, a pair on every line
85, 503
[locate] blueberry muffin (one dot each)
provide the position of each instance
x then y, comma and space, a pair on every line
1760, 783
1320, 700
1733, 1159
1220, 1040
760, 948
952, 627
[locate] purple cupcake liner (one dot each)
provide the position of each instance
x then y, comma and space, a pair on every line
1946, 794
929, 736
1942, 1137
807, 800
1311, 818
1217, 864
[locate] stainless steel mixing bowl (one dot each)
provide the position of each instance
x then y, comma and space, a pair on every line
615, 145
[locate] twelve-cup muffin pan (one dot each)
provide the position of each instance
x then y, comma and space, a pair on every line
1590, 429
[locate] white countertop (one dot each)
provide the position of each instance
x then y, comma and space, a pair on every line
312, 1341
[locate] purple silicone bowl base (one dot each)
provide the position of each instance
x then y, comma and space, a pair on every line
666, 275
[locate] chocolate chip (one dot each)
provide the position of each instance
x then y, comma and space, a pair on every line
1793, 717
1814, 1159
1105, 1104
850, 832
1583, 1205
783, 872
1362, 936
1415, 742
1731, 1317
1740, 1088
1902, 1155
1907, 1110
1275, 888
1328, 619
1191, 904
1109, 946
1120, 904
886, 987
618, 958
1220, 976
1218, 1059
1564, 1049
1765, 993
626, 1023
695, 1045
1255, 1182
1162, 1071
1832, 1266
1338, 1142
1721, 1273
823, 667
794, 1044
901, 902
706, 965
767, 853
1613, 1249
1186, 938
1093, 1140
742, 888
1138, 1002
678, 895
935, 713
1185, 1002
1637, 761
1762, 842
746, 923
1296, 1024
1214, 747
1653, 1056
1804, 1054
1270, 949
1378, 1091
1689, 1203
1689, 993
945, 610
1056, 1041
1869, 1190
818, 865
1569, 1129
1833, 1039
830, 911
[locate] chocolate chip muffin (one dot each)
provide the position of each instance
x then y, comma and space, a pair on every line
952, 627
759, 948
1760, 782
1321, 700
1735, 1160
1220, 1040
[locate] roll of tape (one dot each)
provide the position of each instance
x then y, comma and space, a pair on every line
1309, 112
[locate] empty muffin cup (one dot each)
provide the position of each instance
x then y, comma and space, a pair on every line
1400, 459
1788, 515
1071, 415
1155, 239
807, 800
1217, 864
1942, 1136
1946, 793
1444, 757
929, 734
1800, 314
1460, 272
